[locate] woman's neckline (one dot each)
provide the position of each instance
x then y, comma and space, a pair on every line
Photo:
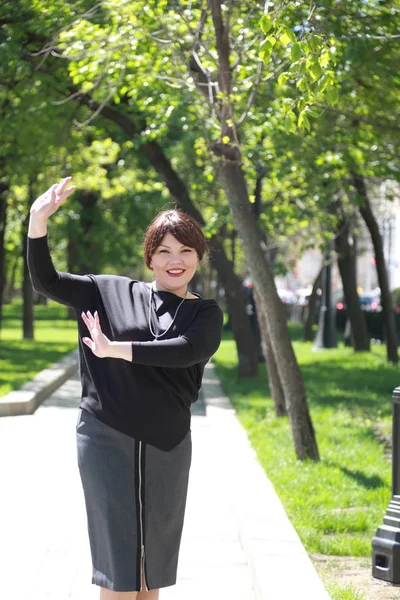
150, 286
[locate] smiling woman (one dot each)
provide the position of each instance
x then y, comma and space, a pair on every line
141, 369
174, 245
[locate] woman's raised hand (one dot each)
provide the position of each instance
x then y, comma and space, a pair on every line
47, 204
98, 342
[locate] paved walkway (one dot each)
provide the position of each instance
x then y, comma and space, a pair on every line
44, 551
238, 543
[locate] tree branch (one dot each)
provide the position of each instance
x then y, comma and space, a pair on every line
252, 95
354, 117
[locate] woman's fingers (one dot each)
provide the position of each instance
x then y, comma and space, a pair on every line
88, 342
67, 192
52, 193
92, 322
87, 318
98, 342
62, 185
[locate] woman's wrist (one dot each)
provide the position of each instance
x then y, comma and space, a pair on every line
37, 227
120, 350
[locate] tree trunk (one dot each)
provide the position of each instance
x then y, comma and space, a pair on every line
10, 284
274, 381
311, 308
233, 247
386, 297
233, 182
246, 343
88, 258
347, 268
27, 290
275, 385
3, 225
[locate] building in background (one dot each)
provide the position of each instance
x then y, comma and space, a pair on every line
386, 207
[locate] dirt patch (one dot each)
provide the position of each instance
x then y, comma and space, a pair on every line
385, 438
355, 573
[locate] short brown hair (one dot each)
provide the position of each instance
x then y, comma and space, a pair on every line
183, 227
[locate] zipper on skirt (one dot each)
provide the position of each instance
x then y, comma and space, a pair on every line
143, 554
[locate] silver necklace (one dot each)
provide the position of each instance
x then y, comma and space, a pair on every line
158, 335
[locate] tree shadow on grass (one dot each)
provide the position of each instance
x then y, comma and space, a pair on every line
362, 386
369, 482
357, 388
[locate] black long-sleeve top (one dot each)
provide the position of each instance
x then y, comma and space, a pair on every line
149, 398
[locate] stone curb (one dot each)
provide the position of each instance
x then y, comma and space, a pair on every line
279, 564
27, 399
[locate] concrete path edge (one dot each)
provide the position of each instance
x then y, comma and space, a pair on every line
279, 564
27, 399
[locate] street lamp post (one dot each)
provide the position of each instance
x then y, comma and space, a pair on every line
326, 334
386, 543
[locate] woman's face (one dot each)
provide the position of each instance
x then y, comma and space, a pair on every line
174, 265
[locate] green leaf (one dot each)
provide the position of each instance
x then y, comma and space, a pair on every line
303, 121
265, 51
301, 84
314, 42
265, 24
295, 52
332, 95
290, 126
324, 59
313, 113
285, 38
322, 83
315, 70
282, 79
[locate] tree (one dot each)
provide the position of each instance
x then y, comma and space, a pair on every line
129, 82
229, 168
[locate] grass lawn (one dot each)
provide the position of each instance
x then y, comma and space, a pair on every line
20, 359
335, 504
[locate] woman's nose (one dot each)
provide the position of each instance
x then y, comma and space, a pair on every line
175, 259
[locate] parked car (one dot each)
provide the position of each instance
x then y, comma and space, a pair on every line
369, 301
287, 296
303, 295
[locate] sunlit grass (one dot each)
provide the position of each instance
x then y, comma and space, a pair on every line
335, 504
22, 359
346, 593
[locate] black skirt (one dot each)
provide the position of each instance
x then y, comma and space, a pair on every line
135, 497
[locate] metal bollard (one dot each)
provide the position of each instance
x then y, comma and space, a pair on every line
386, 543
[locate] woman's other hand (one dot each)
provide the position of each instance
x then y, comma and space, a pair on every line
47, 204
98, 342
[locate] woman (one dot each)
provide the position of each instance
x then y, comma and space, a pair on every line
141, 368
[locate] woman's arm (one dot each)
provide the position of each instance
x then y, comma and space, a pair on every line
72, 290
198, 343
76, 291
